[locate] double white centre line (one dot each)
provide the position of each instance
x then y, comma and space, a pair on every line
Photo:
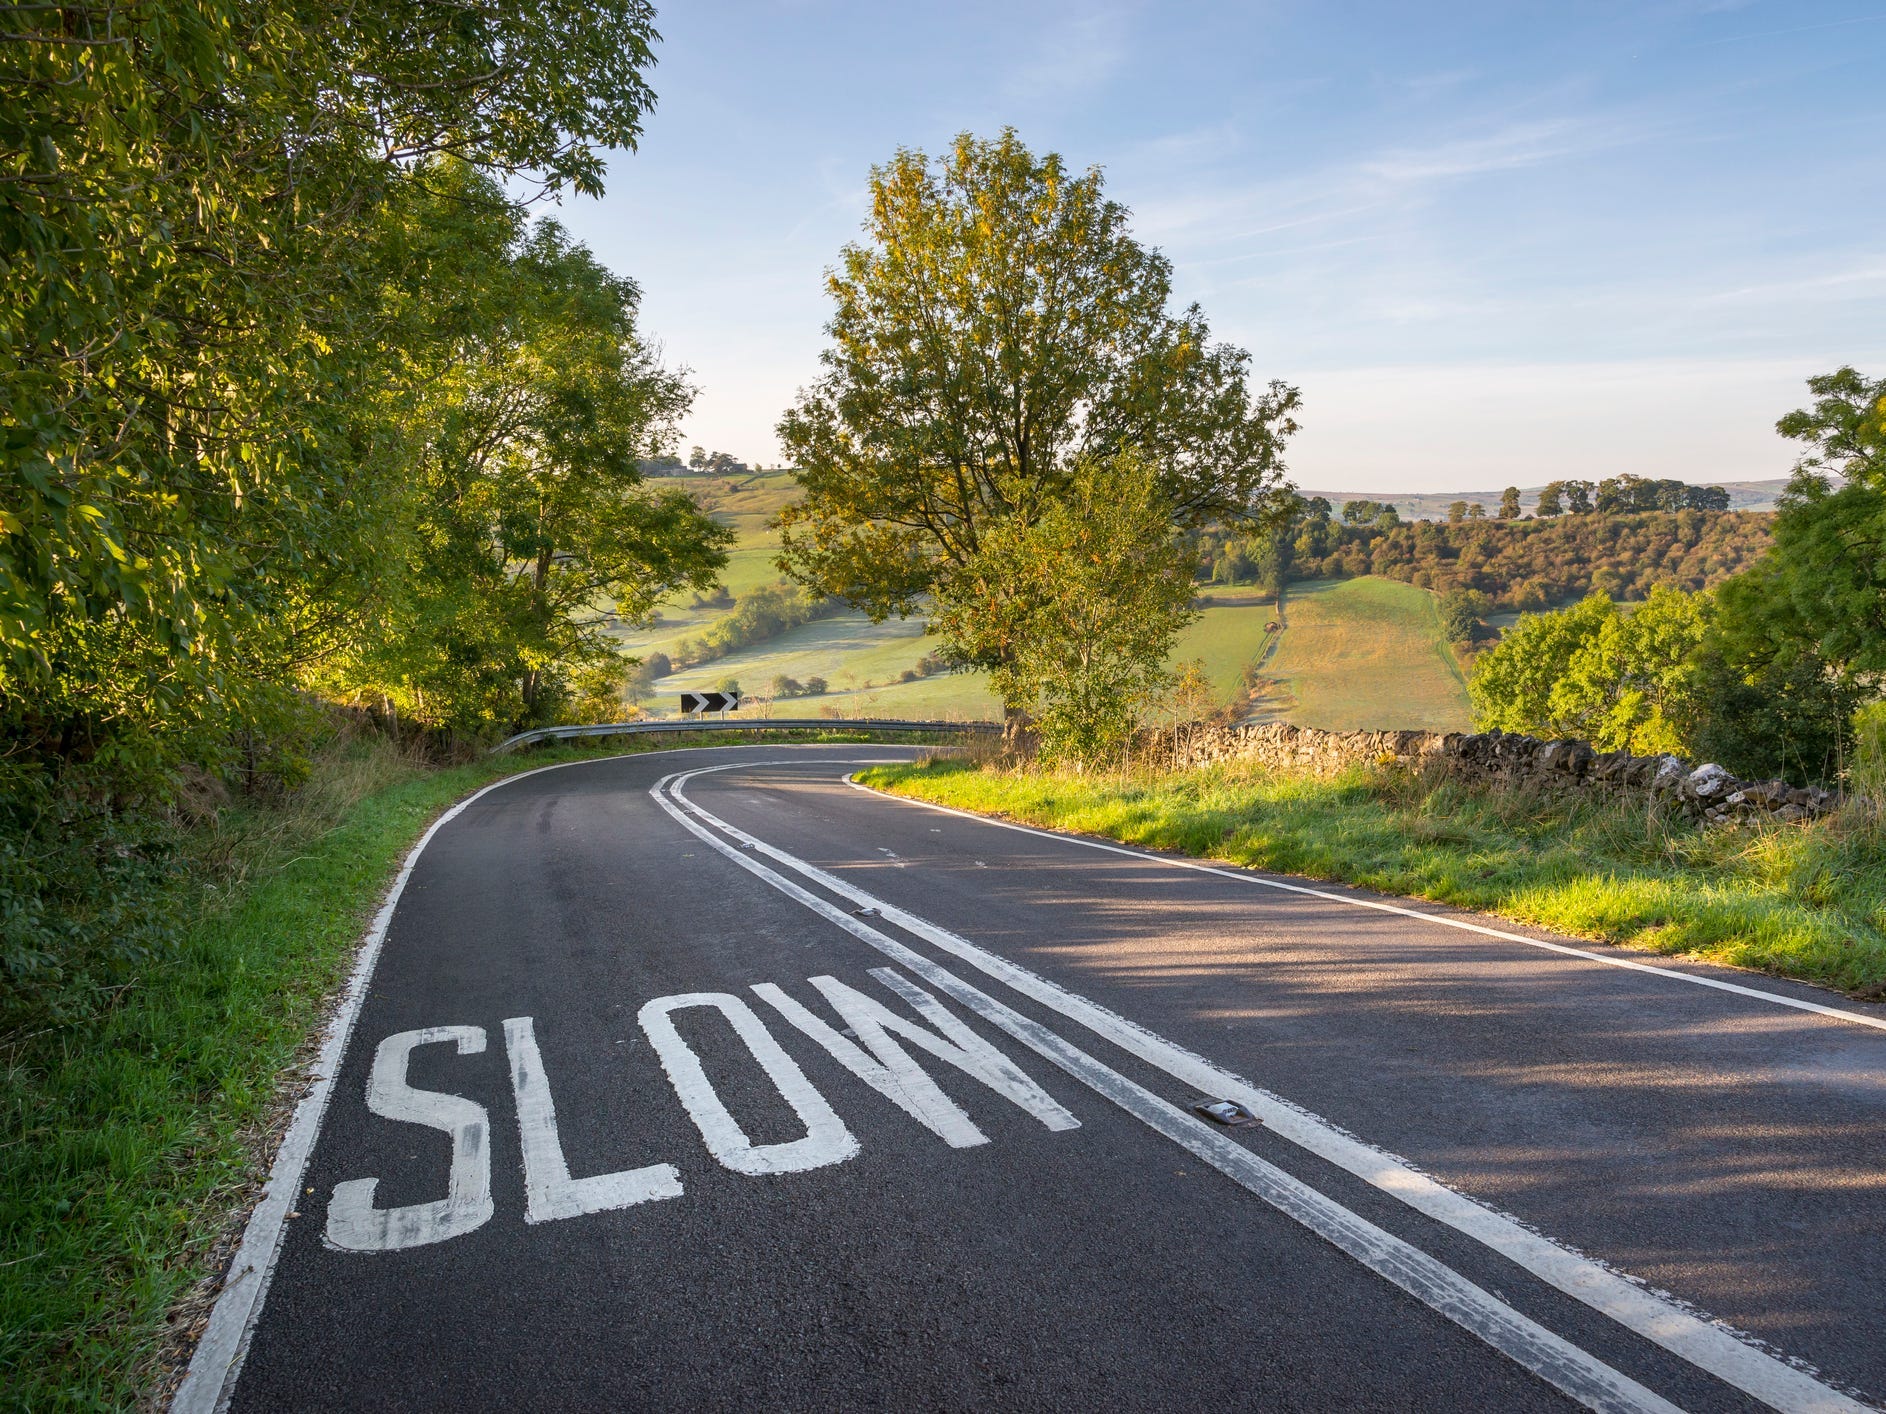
1580, 1375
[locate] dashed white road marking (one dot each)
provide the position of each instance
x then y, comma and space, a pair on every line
1712, 1348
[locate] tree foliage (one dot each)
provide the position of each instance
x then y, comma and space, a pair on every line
1618, 678
998, 330
1799, 644
1078, 607
191, 206
533, 525
1526, 564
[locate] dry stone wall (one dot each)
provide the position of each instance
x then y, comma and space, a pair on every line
1707, 792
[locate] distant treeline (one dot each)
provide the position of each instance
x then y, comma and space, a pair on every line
1518, 564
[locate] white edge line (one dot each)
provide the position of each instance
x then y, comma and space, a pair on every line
220, 1351
1248, 876
1707, 1344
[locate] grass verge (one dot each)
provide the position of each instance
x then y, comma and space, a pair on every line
130, 1143
1804, 901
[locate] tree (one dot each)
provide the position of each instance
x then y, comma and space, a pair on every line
1456, 512
998, 329
1462, 611
1476, 511
1577, 496
533, 511
1769, 703
1620, 680
1550, 500
1509, 503
1362, 512
200, 215
1078, 608
1830, 543
1799, 641
645, 674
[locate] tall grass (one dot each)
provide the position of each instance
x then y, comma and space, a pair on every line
1805, 901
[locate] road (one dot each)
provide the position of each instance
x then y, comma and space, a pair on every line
707, 1080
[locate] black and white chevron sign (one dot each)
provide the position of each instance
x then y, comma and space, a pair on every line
692, 702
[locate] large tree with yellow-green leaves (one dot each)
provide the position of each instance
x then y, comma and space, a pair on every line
998, 328
203, 238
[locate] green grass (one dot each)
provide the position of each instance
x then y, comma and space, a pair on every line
945, 696
1227, 638
129, 1143
1805, 901
1366, 654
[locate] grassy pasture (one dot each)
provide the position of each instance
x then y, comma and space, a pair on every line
1226, 638
1362, 654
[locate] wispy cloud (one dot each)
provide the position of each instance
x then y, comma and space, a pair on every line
1520, 145
1207, 213
1842, 284
1074, 59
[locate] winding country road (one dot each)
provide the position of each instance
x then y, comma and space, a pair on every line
707, 1080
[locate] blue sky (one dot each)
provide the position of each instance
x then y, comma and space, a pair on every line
1492, 243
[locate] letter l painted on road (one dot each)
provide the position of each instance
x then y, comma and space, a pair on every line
549, 1191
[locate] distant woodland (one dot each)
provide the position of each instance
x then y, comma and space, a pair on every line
1517, 564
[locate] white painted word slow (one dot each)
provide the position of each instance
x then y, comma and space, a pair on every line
550, 1191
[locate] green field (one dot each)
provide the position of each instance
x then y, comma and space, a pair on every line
1226, 639
1364, 654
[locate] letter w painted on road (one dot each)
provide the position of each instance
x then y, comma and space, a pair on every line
894, 1075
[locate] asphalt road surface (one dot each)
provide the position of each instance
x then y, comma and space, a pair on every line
706, 1080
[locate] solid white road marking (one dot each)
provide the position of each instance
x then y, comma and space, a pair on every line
549, 1191
826, 1140
1244, 876
353, 1223
1580, 1375
1710, 1347
896, 1076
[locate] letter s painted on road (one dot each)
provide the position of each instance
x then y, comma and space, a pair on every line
353, 1223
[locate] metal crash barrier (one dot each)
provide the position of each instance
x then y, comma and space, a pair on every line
775, 724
